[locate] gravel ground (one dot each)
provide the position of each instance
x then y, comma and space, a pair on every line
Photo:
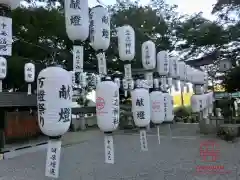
174, 159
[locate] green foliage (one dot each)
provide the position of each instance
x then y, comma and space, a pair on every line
184, 114
231, 80
40, 36
226, 133
226, 106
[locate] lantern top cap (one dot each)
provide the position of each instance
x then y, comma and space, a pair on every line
98, 6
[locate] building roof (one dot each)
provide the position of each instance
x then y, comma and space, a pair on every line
17, 99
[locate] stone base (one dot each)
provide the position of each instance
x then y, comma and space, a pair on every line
206, 127
234, 129
78, 124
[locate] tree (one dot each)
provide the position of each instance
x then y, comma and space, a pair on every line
232, 5
40, 35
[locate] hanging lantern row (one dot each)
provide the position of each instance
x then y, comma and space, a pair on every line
54, 90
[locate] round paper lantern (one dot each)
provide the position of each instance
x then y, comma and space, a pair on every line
141, 107
77, 20
168, 107
148, 55
54, 97
163, 63
173, 68
3, 68
99, 28
107, 105
29, 72
126, 43
196, 103
157, 108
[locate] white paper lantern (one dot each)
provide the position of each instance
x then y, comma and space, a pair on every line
126, 43
29, 72
54, 96
107, 106
163, 63
13, 4
99, 28
77, 19
148, 55
3, 68
196, 103
141, 107
157, 108
168, 107
173, 68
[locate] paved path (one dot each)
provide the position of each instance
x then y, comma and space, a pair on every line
174, 159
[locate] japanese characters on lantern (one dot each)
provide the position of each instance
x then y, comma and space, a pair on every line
107, 106
29, 72
109, 149
100, 35
107, 110
77, 59
99, 28
163, 63
29, 75
54, 97
141, 113
126, 43
148, 55
77, 19
126, 49
141, 107
53, 159
168, 107
5, 36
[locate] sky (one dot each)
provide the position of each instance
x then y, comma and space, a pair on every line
184, 6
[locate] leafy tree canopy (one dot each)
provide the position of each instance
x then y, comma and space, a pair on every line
40, 35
